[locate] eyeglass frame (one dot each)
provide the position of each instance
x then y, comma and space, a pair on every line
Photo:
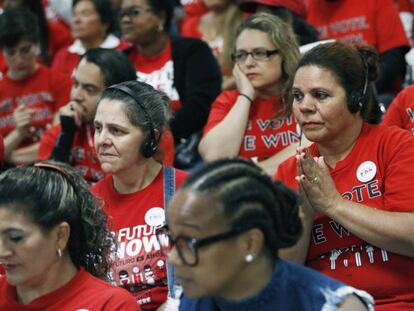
197, 243
129, 12
246, 54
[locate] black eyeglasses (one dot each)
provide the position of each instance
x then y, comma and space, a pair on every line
133, 12
187, 247
258, 54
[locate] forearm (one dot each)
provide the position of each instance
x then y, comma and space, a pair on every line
393, 231
25, 155
225, 139
11, 141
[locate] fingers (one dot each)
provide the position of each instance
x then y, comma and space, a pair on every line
73, 110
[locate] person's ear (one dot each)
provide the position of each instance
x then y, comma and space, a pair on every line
62, 235
253, 244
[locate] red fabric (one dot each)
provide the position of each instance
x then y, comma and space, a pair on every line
401, 110
157, 71
405, 5
83, 292
192, 8
266, 134
65, 61
133, 218
375, 22
45, 90
387, 276
83, 154
59, 36
296, 6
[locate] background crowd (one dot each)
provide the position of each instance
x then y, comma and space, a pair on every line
219, 106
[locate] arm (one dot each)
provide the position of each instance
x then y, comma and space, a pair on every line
352, 303
23, 119
390, 230
225, 138
25, 155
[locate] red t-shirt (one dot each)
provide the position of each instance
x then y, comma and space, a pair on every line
139, 265
375, 22
45, 91
378, 172
82, 292
67, 59
1, 150
83, 153
192, 8
401, 110
157, 71
59, 36
266, 132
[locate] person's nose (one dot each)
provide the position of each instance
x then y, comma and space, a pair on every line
77, 93
5, 252
307, 104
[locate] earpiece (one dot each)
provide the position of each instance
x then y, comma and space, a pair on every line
150, 143
357, 98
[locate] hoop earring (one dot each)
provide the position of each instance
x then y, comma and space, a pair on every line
59, 253
160, 27
248, 258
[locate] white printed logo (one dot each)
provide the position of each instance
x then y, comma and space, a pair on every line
366, 171
155, 217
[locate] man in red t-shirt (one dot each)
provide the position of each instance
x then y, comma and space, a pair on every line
72, 140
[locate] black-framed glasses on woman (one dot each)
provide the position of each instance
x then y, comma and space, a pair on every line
259, 54
187, 248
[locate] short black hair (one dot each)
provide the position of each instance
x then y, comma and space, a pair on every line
17, 24
114, 65
105, 11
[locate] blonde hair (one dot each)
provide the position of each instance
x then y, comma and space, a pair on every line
281, 35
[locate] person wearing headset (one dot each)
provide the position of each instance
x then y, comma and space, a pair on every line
129, 121
355, 179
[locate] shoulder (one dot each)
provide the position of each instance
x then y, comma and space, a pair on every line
183, 45
318, 287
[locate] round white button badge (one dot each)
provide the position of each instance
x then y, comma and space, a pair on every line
366, 171
155, 217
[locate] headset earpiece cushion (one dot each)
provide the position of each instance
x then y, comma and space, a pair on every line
149, 145
355, 102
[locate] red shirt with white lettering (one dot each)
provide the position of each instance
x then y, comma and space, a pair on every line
45, 91
401, 110
157, 71
378, 172
375, 22
139, 264
267, 132
82, 292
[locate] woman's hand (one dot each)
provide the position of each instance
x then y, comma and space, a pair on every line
316, 184
23, 118
243, 83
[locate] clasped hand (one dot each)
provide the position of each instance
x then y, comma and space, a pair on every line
316, 185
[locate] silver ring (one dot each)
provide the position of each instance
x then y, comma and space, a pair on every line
72, 106
314, 179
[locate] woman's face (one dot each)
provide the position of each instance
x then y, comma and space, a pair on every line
86, 22
117, 140
266, 74
21, 59
139, 24
220, 265
27, 254
320, 104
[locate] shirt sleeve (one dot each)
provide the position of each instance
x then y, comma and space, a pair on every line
220, 108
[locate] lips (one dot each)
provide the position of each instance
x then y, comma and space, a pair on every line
251, 75
8, 267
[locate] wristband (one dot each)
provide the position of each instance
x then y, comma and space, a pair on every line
247, 97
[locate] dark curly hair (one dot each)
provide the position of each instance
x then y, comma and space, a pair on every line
251, 198
50, 193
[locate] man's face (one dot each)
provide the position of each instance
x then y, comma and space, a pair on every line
88, 85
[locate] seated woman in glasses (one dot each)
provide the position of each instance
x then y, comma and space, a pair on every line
54, 243
251, 121
225, 226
